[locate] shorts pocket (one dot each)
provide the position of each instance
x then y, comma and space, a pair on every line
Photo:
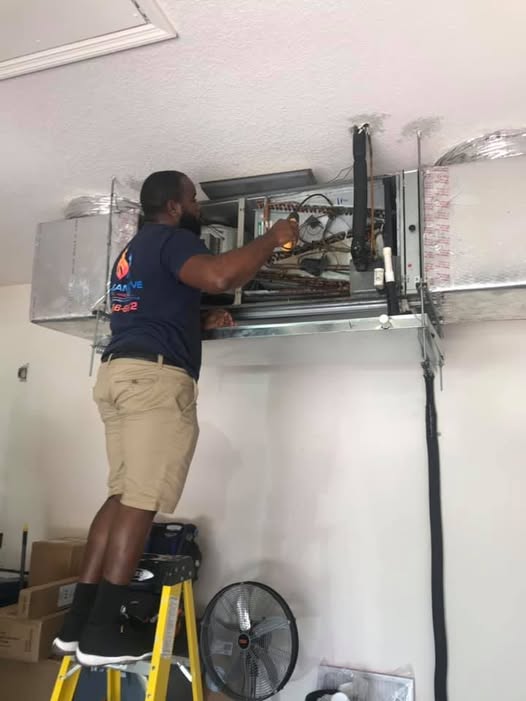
137, 392
186, 397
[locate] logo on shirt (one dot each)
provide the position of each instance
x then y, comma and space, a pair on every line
124, 293
123, 265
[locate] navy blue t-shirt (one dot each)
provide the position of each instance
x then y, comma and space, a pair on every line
152, 311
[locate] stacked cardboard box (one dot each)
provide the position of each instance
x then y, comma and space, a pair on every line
21, 681
52, 560
28, 628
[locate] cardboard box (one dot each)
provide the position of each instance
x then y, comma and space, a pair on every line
52, 560
21, 681
26, 639
35, 602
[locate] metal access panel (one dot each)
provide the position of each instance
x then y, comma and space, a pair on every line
71, 267
474, 239
408, 217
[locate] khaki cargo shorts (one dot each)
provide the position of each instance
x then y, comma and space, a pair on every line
149, 412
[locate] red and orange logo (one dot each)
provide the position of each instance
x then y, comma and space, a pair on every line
123, 266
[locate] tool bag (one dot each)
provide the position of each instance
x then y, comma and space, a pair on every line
166, 540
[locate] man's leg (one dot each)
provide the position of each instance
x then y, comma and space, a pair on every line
158, 432
126, 543
91, 572
99, 534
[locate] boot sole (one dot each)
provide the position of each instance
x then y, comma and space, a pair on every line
62, 648
99, 661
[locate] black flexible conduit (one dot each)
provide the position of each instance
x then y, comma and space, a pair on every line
437, 543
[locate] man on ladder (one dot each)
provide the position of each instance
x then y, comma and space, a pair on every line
146, 392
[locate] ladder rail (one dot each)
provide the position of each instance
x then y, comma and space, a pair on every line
164, 641
113, 685
193, 644
67, 680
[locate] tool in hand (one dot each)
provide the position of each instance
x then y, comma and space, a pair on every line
293, 216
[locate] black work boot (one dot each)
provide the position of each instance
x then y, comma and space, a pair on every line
67, 641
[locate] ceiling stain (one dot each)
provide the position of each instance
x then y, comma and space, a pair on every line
427, 126
374, 119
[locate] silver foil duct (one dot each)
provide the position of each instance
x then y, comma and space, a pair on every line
92, 205
497, 144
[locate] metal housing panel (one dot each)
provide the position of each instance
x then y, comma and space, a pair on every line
474, 242
409, 231
73, 258
52, 267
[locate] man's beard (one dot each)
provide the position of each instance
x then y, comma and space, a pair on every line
190, 222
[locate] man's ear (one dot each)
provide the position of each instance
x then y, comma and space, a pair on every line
174, 209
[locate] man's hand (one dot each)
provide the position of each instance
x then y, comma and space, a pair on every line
217, 274
285, 231
216, 319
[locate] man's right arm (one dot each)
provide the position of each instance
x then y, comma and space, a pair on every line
215, 274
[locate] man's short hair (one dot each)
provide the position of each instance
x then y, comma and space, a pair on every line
158, 189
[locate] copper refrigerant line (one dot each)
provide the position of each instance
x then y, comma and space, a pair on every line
287, 293
320, 245
310, 209
306, 247
310, 283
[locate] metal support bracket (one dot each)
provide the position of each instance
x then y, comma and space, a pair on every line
238, 295
430, 308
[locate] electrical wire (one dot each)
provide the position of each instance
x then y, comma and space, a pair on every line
341, 175
315, 194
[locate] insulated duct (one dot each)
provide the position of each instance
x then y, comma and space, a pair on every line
497, 144
93, 205
390, 249
361, 247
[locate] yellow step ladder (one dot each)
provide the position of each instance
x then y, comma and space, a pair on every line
177, 582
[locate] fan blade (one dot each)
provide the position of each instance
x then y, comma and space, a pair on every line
269, 625
226, 625
265, 662
236, 673
229, 608
243, 613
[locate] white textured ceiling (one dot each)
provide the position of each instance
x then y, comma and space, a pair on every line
257, 86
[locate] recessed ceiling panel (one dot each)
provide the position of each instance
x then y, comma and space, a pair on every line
38, 25
40, 34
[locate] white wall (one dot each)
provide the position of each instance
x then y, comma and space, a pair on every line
312, 477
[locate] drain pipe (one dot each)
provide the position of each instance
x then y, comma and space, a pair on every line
437, 539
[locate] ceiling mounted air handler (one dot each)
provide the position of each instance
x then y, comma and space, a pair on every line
77, 249
474, 255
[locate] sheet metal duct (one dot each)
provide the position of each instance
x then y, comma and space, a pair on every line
474, 239
71, 269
